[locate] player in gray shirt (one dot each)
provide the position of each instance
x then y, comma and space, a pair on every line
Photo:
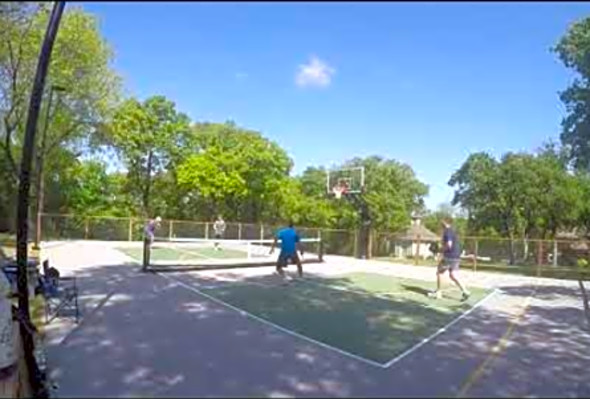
219, 229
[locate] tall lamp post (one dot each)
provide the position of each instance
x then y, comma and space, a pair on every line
22, 209
40, 187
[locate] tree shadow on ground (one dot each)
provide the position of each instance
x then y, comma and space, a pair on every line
415, 289
153, 337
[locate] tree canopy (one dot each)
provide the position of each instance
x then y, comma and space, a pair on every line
110, 154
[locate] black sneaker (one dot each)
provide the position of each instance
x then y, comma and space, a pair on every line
465, 296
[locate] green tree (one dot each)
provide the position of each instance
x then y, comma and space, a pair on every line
148, 137
80, 63
433, 219
573, 49
392, 193
233, 171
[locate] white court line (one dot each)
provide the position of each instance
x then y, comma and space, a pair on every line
326, 346
440, 331
271, 324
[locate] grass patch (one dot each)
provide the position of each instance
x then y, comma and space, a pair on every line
547, 271
371, 315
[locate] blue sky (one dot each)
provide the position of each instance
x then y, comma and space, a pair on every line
422, 83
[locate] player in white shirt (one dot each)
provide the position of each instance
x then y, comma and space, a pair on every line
219, 229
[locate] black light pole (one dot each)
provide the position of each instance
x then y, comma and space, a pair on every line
23, 196
40, 189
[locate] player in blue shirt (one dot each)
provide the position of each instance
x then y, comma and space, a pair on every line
289, 249
451, 258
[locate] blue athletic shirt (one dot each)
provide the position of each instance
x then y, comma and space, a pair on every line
288, 237
455, 251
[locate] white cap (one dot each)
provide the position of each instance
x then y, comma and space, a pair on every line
158, 219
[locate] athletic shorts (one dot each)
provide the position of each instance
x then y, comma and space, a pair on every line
149, 238
218, 236
285, 257
449, 264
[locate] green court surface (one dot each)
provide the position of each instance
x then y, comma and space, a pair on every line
376, 317
184, 254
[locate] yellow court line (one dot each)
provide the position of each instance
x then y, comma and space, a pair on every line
496, 350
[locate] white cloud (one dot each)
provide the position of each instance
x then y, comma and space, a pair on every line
316, 73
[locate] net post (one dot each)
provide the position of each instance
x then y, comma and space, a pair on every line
555, 253
417, 250
357, 249
239, 231
207, 230
261, 231
146, 250
130, 234
170, 229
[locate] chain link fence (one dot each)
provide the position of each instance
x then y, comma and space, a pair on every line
545, 258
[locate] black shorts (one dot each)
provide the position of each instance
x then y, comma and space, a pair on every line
284, 258
218, 236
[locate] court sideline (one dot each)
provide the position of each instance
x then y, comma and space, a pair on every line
154, 338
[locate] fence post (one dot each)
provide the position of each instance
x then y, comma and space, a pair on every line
207, 231
130, 235
417, 251
171, 230
539, 258
356, 244
475, 255
86, 229
261, 232
239, 231
554, 253
369, 253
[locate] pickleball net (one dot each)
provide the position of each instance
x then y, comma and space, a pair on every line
187, 253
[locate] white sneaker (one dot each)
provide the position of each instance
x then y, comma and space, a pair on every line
435, 294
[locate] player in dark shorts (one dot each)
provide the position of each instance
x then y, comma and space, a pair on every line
451, 258
219, 229
289, 250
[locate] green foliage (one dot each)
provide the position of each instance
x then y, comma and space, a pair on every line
80, 63
531, 195
433, 219
233, 171
147, 137
573, 50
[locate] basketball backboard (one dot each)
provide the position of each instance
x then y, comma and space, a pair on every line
349, 180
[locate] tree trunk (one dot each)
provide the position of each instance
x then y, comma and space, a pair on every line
511, 250
148, 183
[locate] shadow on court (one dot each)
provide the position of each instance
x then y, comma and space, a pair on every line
153, 337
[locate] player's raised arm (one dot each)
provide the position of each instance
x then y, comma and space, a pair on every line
274, 243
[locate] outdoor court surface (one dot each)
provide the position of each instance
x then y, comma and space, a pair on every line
350, 328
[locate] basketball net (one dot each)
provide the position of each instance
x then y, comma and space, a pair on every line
338, 191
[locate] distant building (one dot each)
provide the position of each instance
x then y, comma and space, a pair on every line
416, 240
